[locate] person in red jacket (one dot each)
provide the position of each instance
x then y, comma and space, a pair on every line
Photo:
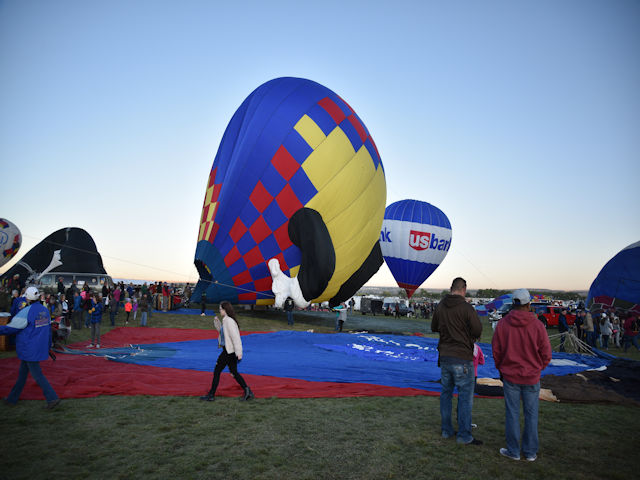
521, 350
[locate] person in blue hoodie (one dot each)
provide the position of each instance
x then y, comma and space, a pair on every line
76, 315
96, 319
32, 327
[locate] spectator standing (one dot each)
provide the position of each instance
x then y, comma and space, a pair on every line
116, 295
606, 329
113, 309
76, 315
563, 327
32, 326
616, 331
203, 303
288, 307
521, 350
96, 319
630, 332
60, 286
134, 307
143, 305
458, 325
589, 330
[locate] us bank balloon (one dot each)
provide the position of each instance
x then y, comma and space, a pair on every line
10, 240
297, 191
415, 238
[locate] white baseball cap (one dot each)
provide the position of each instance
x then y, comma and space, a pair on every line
32, 293
521, 297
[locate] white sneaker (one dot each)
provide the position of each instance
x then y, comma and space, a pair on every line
90, 345
473, 425
202, 314
532, 458
98, 345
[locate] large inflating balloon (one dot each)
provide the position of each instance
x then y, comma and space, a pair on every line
415, 238
10, 240
618, 283
297, 178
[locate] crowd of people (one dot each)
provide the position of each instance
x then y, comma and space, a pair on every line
606, 329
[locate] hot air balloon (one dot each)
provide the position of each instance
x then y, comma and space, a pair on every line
297, 181
618, 283
10, 240
415, 238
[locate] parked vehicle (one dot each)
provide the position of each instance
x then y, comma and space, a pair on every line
49, 281
370, 306
551, 314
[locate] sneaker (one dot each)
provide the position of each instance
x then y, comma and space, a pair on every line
90, 345
475, 441
53, 404
98, 345
532, 458
505, 453
473, 425
207, 398
202, 314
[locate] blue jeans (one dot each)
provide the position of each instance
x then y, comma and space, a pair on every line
143, 319
513, 393
462, 376
38, 376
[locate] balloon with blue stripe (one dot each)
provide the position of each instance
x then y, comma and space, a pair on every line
415, 239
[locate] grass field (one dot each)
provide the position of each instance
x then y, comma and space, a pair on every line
270, 438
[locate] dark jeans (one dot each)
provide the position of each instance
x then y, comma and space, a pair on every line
226, 359
38, 376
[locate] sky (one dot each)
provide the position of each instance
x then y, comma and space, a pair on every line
519, 120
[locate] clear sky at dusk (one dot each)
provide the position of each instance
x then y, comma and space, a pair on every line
520, 120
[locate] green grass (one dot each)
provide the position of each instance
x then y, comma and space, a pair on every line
270, 438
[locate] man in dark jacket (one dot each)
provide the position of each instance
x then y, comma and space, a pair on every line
521, 350
458, 325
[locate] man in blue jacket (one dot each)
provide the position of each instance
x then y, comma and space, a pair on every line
32, 326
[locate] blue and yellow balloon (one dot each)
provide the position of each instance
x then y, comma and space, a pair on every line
297, 178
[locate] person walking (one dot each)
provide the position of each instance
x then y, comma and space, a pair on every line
32, 327
230, 342
521, 350
458, 325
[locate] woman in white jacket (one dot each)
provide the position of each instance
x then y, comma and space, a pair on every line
231, 344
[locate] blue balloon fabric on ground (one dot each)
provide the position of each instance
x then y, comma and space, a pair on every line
389, 360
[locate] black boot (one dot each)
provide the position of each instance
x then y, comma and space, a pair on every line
209, 397
248, 394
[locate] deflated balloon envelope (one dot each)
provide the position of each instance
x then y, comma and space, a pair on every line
415, 238
297, 177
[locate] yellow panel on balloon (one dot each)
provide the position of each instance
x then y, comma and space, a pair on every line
326, 161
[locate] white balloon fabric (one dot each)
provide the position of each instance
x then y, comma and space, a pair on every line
10, 240
415, 238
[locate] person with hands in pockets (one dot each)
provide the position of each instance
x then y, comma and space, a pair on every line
230, 342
